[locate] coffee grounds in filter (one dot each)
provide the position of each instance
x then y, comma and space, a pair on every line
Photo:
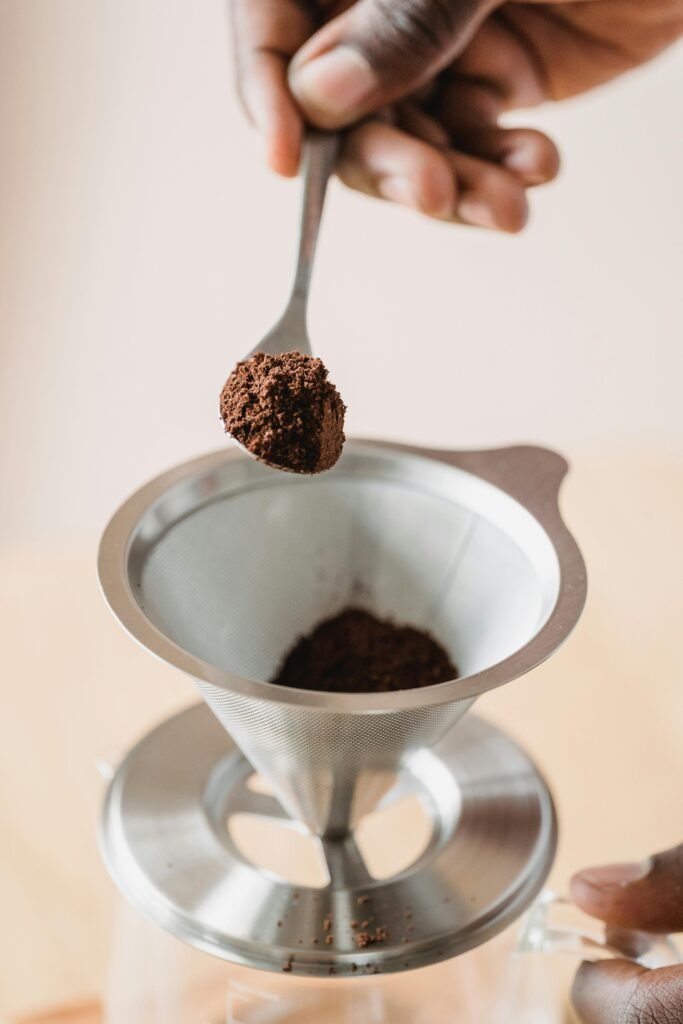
284, 410
356, 652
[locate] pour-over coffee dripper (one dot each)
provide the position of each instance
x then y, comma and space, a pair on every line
217, 567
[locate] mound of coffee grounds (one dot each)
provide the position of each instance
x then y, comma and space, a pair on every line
355, 652
285, 411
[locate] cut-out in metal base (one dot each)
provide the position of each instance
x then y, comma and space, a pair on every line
166, 843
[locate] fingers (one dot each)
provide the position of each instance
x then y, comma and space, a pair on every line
646, 896
413, 163
619, 992
378, 51
529, 154
412, 119
602, 990
266, 34
382, 160
491, 197
469, 112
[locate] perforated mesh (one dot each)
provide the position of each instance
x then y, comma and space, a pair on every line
311, 754
239, 577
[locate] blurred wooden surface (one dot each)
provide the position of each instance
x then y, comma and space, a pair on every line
83, 1013
604, 720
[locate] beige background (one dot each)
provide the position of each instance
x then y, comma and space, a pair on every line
143, 249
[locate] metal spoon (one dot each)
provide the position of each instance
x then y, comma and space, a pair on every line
290, 333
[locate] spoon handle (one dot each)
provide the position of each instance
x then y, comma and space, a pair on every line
319, 158
290, 333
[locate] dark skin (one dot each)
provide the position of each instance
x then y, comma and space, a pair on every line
646, 897
439, 75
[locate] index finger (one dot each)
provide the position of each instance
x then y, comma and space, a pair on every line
266, 35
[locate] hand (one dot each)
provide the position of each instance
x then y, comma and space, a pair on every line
434, 77
646, 897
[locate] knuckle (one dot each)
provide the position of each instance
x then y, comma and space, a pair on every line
492, 181
416, 27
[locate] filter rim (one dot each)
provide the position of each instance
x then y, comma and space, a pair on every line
530, 475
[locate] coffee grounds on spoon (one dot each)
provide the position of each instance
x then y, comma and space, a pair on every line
355, 652
285, 411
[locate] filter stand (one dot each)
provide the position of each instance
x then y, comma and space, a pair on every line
166, 844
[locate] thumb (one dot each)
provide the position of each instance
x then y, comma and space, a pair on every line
618, 991
647, 897
378, 51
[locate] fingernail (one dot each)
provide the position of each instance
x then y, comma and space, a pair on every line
523, 159
615, 876
399, 190
473, 211
337, 83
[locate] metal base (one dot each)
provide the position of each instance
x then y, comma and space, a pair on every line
166, 843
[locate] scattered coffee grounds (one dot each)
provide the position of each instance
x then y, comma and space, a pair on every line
364, 939
354, 652
285, 411
363, 935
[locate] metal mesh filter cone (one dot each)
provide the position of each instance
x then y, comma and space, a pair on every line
220, 565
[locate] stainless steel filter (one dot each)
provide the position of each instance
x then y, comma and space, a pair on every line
220, 564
